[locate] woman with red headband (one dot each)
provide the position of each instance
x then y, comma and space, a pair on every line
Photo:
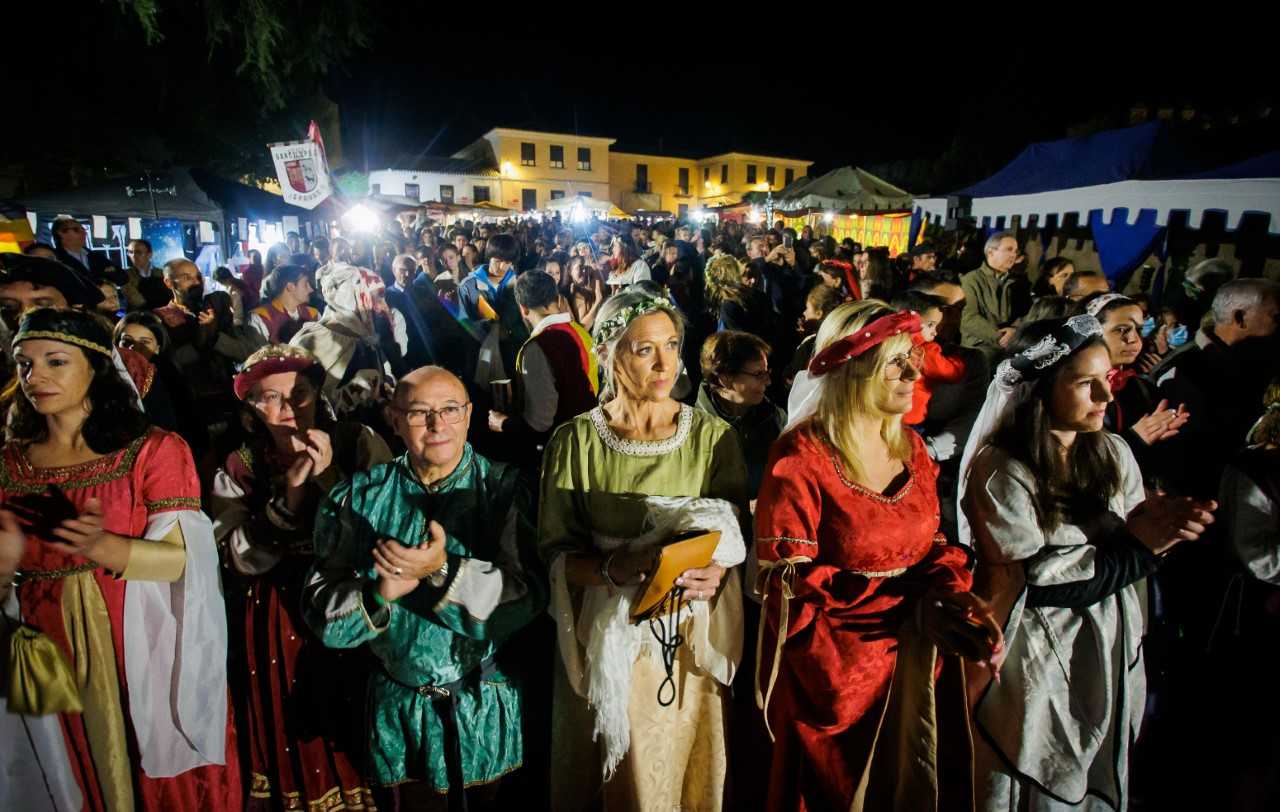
264, 501
865, 602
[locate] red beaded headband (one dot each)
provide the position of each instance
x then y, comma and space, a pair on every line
855, 344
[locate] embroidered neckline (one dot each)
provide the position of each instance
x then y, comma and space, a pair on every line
33, 479
643, 448
865, 491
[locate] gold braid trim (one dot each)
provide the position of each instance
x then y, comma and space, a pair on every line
786, 579
184, 502
52, 575
84, 475
65, 338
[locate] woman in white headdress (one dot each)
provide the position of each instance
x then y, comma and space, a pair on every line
348, 339
1065, 537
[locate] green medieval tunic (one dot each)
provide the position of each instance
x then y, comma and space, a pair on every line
432, 637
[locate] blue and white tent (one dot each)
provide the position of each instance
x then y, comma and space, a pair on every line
1124, 184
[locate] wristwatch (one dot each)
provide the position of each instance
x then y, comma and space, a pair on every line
437, 578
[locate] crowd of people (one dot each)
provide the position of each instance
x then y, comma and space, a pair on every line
635, 517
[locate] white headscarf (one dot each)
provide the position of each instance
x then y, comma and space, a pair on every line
1015, 377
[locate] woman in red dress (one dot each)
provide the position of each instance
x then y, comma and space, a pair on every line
108, 576
304, 703
861, 592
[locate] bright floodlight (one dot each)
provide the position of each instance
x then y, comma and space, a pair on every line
828, 217
579, 214
361, 218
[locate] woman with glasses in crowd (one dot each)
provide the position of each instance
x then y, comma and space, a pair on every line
113, 614
264, 502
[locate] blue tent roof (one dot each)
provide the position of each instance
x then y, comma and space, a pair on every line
1144, 152
1261, 166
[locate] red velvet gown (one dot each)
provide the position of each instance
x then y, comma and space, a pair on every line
304, 703
153, 474
872, 556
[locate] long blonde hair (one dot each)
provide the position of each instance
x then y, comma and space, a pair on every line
854, 388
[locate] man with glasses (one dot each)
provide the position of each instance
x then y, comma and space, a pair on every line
71, 245
430, 560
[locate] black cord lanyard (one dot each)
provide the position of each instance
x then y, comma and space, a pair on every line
667, 632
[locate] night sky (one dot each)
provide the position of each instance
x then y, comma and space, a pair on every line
959, 98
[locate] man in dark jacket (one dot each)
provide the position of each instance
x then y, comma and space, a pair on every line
70, 239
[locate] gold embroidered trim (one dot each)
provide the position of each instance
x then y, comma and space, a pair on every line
65, 338
787, 539
865, 491
359, 799
187, 502
53, 575
106, 469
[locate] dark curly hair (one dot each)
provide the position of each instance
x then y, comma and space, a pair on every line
115, 418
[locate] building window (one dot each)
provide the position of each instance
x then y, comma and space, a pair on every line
584, 194
375, 188
557, 157
642, 179
446, 194
527, 154
724, 174
528, 199
479, 194
751, 174
790, 176
684, 212
706, 174
412, 190
584, 159
557, 194
771, 175
683, 180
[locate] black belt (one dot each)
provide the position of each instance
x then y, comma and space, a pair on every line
449, 721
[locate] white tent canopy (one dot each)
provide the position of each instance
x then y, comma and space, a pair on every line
845, 189
586, 207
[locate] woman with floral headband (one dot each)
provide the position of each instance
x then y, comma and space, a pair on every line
117, 687
865, 603
645, 714
302, 717
1065, 538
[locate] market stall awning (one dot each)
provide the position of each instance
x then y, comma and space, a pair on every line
845, 189
173, 194
591, 206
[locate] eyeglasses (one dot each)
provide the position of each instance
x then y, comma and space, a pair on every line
417, 418
272, 399
901, 361
763, 376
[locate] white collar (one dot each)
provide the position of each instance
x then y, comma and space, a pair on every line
554, 318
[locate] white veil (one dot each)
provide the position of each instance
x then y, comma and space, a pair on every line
1012, 385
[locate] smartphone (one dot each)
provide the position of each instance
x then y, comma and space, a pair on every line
787, 241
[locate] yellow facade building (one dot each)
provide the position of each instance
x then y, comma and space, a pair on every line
535, 168
525, 170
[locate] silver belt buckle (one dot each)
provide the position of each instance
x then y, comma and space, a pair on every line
432, 692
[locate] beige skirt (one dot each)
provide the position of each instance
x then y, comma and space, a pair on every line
676, 759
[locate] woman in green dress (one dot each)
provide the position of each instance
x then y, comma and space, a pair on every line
649, 712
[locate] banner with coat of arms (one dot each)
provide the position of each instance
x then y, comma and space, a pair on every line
302, 170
